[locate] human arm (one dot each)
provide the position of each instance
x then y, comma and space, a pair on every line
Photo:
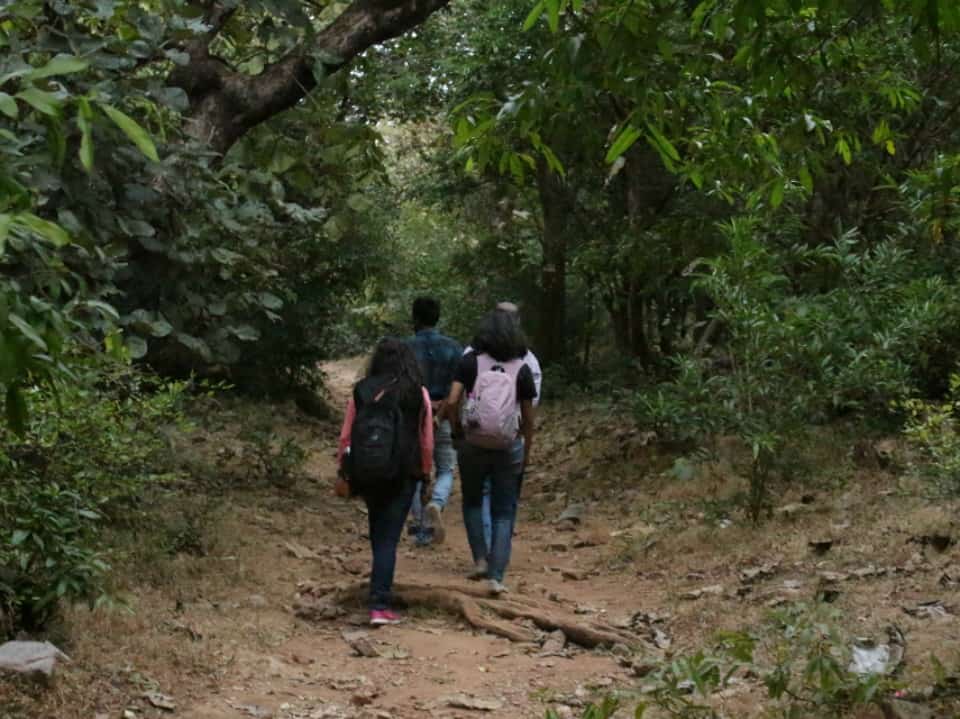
527, 428
342, 486
451, 406
534, 364
426, 435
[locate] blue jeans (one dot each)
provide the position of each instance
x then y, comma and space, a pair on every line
386, 516
487, 519
444, 460
503, 467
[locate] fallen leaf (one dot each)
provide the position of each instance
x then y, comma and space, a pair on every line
703, 591
253, 710
752, 574
554, 644
463, 701
828, 576
869, 571
933, 609
160, 701
361, 643
299, 551
391, 651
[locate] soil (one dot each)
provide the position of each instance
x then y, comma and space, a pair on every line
218, 635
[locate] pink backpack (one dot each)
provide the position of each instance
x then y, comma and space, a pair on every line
491, 414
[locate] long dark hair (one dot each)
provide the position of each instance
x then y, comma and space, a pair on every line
499, 335
395, 358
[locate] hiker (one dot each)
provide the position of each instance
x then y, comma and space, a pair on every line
529, 359
386, 448
495, 432
439, 357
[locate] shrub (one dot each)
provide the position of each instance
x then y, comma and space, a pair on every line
932, 428
91, 450
809, 333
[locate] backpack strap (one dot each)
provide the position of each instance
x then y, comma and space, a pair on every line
371, 389
485, 363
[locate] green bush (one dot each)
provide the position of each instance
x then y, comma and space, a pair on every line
809, 334
92, 449
801, 656
931, 427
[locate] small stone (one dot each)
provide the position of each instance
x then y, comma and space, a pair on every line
257, 601
30, 657
554, 644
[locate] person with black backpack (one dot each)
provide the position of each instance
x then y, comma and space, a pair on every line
386, 448
491, 407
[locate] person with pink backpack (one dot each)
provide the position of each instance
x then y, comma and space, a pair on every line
491, 408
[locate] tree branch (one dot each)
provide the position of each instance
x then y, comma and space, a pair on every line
225, 104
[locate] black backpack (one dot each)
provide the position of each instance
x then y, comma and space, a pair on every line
381, 440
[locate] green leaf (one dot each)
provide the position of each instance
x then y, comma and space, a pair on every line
270, 301
46, 229
161, 328
806, 179
776, 194
553, 15
84, 117
60, 65
44, 102
27, 331
136, 347
628, 135
244, 333
134, 131
19, 537
5, 222
534, 15
663, 144
8, 106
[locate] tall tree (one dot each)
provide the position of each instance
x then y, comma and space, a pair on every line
225, 102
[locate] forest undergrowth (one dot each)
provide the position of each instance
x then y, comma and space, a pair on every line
214, 605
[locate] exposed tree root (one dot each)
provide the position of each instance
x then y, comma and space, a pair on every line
479, 609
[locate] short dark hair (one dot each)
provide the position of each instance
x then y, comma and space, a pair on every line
499, 335
426, 312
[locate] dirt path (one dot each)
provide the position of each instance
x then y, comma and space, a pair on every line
278, 665
219, 633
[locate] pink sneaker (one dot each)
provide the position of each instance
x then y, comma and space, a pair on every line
379, 617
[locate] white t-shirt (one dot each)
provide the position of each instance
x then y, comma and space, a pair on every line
531, 361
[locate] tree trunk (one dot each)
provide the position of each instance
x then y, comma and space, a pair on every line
225, 104
553, 276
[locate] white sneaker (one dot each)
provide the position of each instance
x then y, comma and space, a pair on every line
479, 570
435, 522
496, 587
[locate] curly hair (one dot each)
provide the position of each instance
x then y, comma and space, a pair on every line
499, 335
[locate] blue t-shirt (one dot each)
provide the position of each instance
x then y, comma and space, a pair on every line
439, 356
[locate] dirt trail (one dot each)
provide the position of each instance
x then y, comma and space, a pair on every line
281, 666
219, 633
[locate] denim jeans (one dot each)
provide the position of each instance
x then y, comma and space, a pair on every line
503, 467
444, 460
487, 519
386, 516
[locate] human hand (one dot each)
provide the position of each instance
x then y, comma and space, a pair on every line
342, 486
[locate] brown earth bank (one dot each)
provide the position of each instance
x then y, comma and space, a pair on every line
652, 555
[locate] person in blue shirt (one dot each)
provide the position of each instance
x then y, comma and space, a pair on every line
439, 357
